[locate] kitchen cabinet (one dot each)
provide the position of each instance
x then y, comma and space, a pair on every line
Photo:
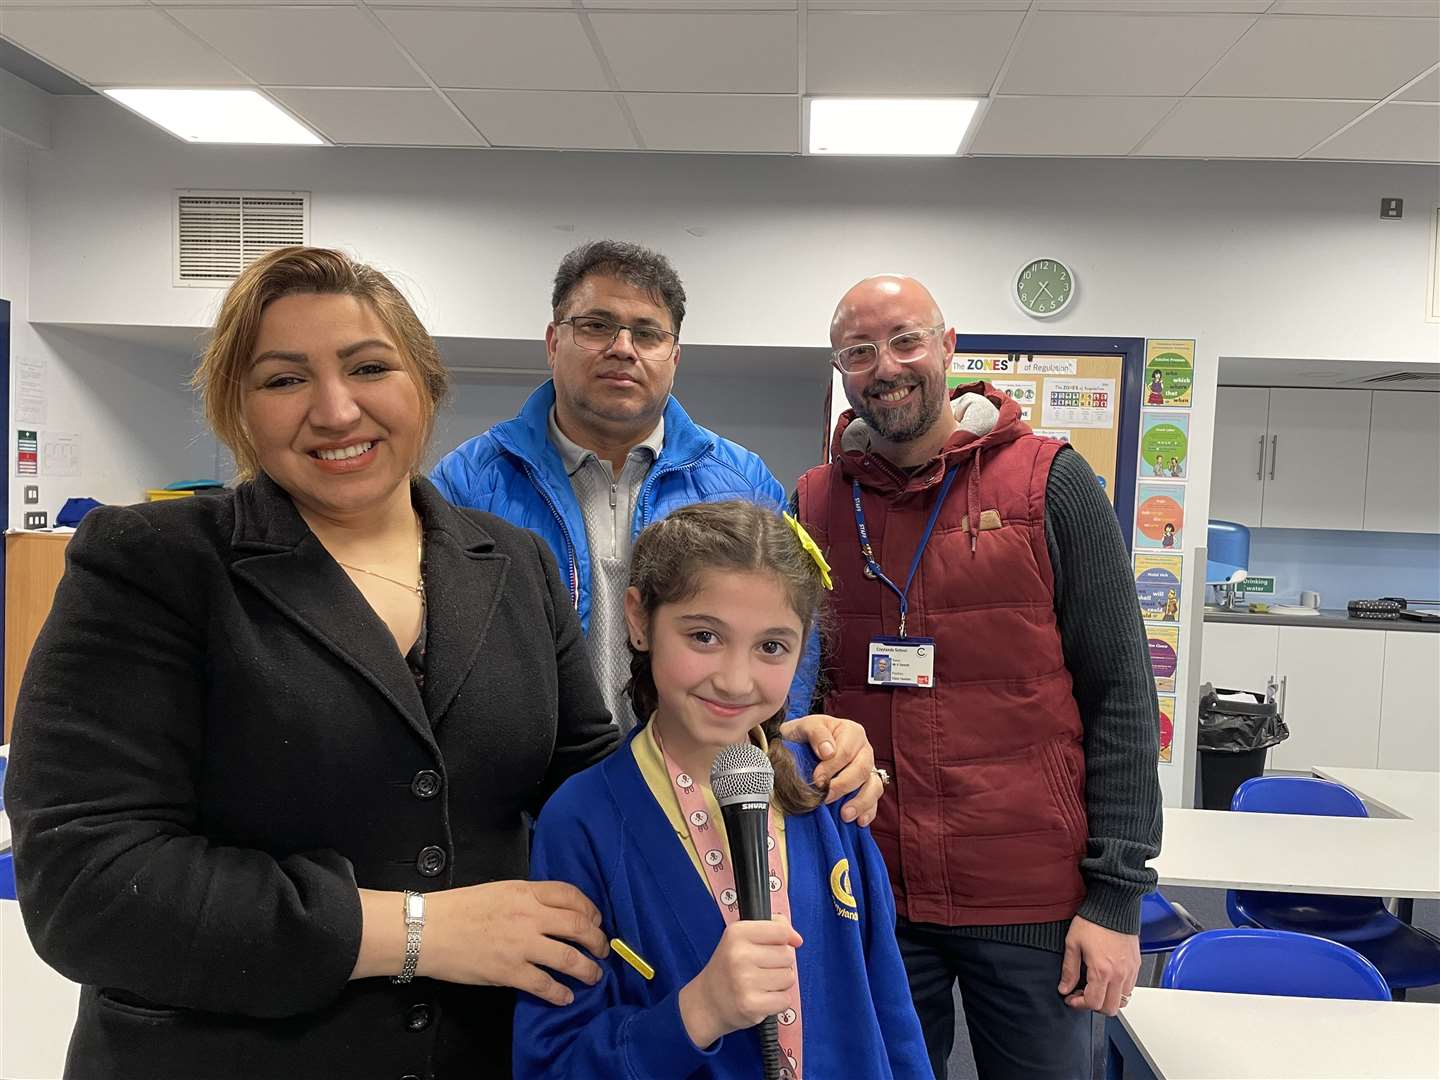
34, 563
1288, 458
1402, 482
1318, 444
1410, 701
1237, 462
1239, 656
1364, 697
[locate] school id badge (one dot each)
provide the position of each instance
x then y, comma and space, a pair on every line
897, 661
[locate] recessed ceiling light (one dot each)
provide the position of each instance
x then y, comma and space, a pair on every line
932, 127
217, 116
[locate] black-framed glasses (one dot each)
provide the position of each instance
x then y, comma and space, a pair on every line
906, 347
596, 334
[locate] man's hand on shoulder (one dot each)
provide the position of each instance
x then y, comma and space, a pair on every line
847, 762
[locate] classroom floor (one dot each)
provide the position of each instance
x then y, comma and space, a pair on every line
1208, 907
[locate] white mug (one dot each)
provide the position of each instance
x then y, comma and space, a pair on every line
1309, 599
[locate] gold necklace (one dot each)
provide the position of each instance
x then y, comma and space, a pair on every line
418, 588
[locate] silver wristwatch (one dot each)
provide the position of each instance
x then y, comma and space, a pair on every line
414, 924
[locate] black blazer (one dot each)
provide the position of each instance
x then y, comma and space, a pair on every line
217, 741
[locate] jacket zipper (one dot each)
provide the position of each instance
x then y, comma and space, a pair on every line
564, 531
655, 474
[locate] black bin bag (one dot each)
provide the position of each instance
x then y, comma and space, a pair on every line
1235, 732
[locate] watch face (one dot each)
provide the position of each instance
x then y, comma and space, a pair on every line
1044, 286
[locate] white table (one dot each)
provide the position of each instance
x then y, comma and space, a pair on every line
1222, 849
1190, 1035
1414, 795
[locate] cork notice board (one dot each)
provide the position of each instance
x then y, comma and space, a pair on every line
1076, 398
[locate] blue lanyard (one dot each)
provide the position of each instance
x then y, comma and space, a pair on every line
869, 553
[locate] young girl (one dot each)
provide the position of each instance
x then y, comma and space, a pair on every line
722, 597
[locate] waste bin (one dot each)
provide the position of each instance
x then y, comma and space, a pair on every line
1237, 727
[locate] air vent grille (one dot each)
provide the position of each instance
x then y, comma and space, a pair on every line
219, 233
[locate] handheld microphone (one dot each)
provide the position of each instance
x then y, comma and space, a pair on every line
742, 779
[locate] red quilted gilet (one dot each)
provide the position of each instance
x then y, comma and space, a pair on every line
985, 823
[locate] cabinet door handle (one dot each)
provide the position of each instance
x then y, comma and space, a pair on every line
1274, 445
1260, 465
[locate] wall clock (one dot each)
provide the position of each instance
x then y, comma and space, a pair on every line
1043, 287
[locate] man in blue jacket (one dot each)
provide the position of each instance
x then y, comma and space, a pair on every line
602, 450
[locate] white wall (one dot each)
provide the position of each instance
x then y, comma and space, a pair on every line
1259, 259
781, 424
129, 404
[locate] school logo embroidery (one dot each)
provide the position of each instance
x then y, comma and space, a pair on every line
845, 905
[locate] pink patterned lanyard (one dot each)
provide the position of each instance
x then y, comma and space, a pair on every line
722, 885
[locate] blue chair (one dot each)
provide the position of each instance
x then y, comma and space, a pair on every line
1164, 924
1249, 961
1273, 962
7, 876
1405, 955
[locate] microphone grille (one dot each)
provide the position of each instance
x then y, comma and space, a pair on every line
741, 773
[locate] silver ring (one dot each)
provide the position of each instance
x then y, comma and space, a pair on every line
883, 775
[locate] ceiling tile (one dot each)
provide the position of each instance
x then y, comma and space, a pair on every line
918, 5
1430, 8
118, 46
1248, 127
690, 5
1140, 55
303, 46
495, 49
746, 52
725, 123
1427, 89
1297, 57
1392, 133
575, 121
480, 3
379, 117
1159, 7
1063, 126
906, 53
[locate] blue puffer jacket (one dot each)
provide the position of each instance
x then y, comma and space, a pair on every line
513, 471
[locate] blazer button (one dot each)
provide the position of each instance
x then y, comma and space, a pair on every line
430, 861
418, 1018
426, 784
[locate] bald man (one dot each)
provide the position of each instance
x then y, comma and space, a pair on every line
1018, 715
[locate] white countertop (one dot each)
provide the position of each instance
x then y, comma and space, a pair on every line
1222, 849
1190, 1035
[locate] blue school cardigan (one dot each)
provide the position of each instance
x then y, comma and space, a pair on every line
604, 833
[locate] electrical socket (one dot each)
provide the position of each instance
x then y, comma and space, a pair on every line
37, 519
32, 494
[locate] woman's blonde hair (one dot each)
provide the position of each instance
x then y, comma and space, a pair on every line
668, 566
220, 378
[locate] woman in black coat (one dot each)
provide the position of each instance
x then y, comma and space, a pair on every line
261, 728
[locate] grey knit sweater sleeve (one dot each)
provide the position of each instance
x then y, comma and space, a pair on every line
1103, 640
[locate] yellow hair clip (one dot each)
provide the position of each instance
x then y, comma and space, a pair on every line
812, 548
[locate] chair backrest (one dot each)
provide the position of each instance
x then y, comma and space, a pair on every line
1273, 962
1297, 795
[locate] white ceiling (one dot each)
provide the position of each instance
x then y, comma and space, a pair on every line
1355, 80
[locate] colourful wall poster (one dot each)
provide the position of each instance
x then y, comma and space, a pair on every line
967, 367
1164, 642
1164, 445
1159, 516
1085, 403
1049, 365
1169, 371
1167, 726
1157, 587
